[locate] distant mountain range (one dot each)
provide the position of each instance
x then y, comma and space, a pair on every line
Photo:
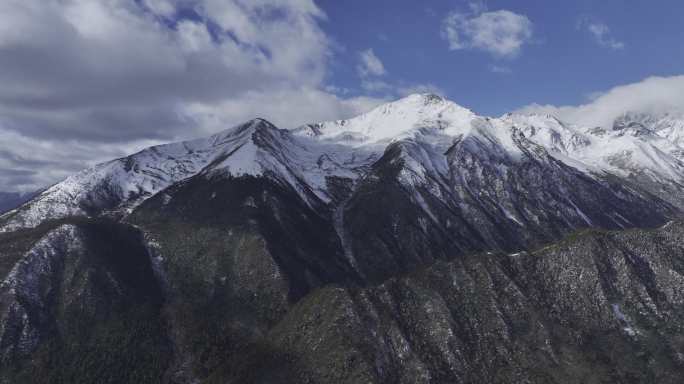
417, 243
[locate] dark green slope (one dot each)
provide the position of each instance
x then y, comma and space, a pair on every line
597, 308
239, 280
84, 307
237, 253
262, 291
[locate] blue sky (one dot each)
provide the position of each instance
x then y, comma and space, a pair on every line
563, 62
85, 81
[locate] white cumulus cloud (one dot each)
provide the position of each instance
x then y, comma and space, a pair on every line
600, 32
501, 33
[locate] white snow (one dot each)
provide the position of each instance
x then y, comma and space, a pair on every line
510, 216
627, 327
580, 213
304, 157
669, 223
396, 120
123, 184
590, 150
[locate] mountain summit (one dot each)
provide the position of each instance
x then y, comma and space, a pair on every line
395, 120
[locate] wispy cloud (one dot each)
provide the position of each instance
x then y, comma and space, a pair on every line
477, 6
501, 33
370, 64
500, 69
375, 80
600, 32
375, 86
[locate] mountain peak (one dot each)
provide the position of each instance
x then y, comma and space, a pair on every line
395, 120
426, 98
424, 102
250, 126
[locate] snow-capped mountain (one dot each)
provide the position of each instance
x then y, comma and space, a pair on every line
668, 126
643, 142
255, 148
417, 242
640, 150
394, 121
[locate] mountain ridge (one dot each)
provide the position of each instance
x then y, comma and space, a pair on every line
425, 117
404, 245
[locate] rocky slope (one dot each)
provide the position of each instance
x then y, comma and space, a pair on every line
416, 243
80, 304
601, 307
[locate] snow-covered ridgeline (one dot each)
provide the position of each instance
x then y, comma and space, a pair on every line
636, 144
255, 148
304, 157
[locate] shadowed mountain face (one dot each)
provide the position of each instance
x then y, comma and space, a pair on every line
600, 307
416, 244
82, 304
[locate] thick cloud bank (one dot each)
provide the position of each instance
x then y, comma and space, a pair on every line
655, 95
87, 80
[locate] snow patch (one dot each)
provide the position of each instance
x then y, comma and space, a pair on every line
631, 331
